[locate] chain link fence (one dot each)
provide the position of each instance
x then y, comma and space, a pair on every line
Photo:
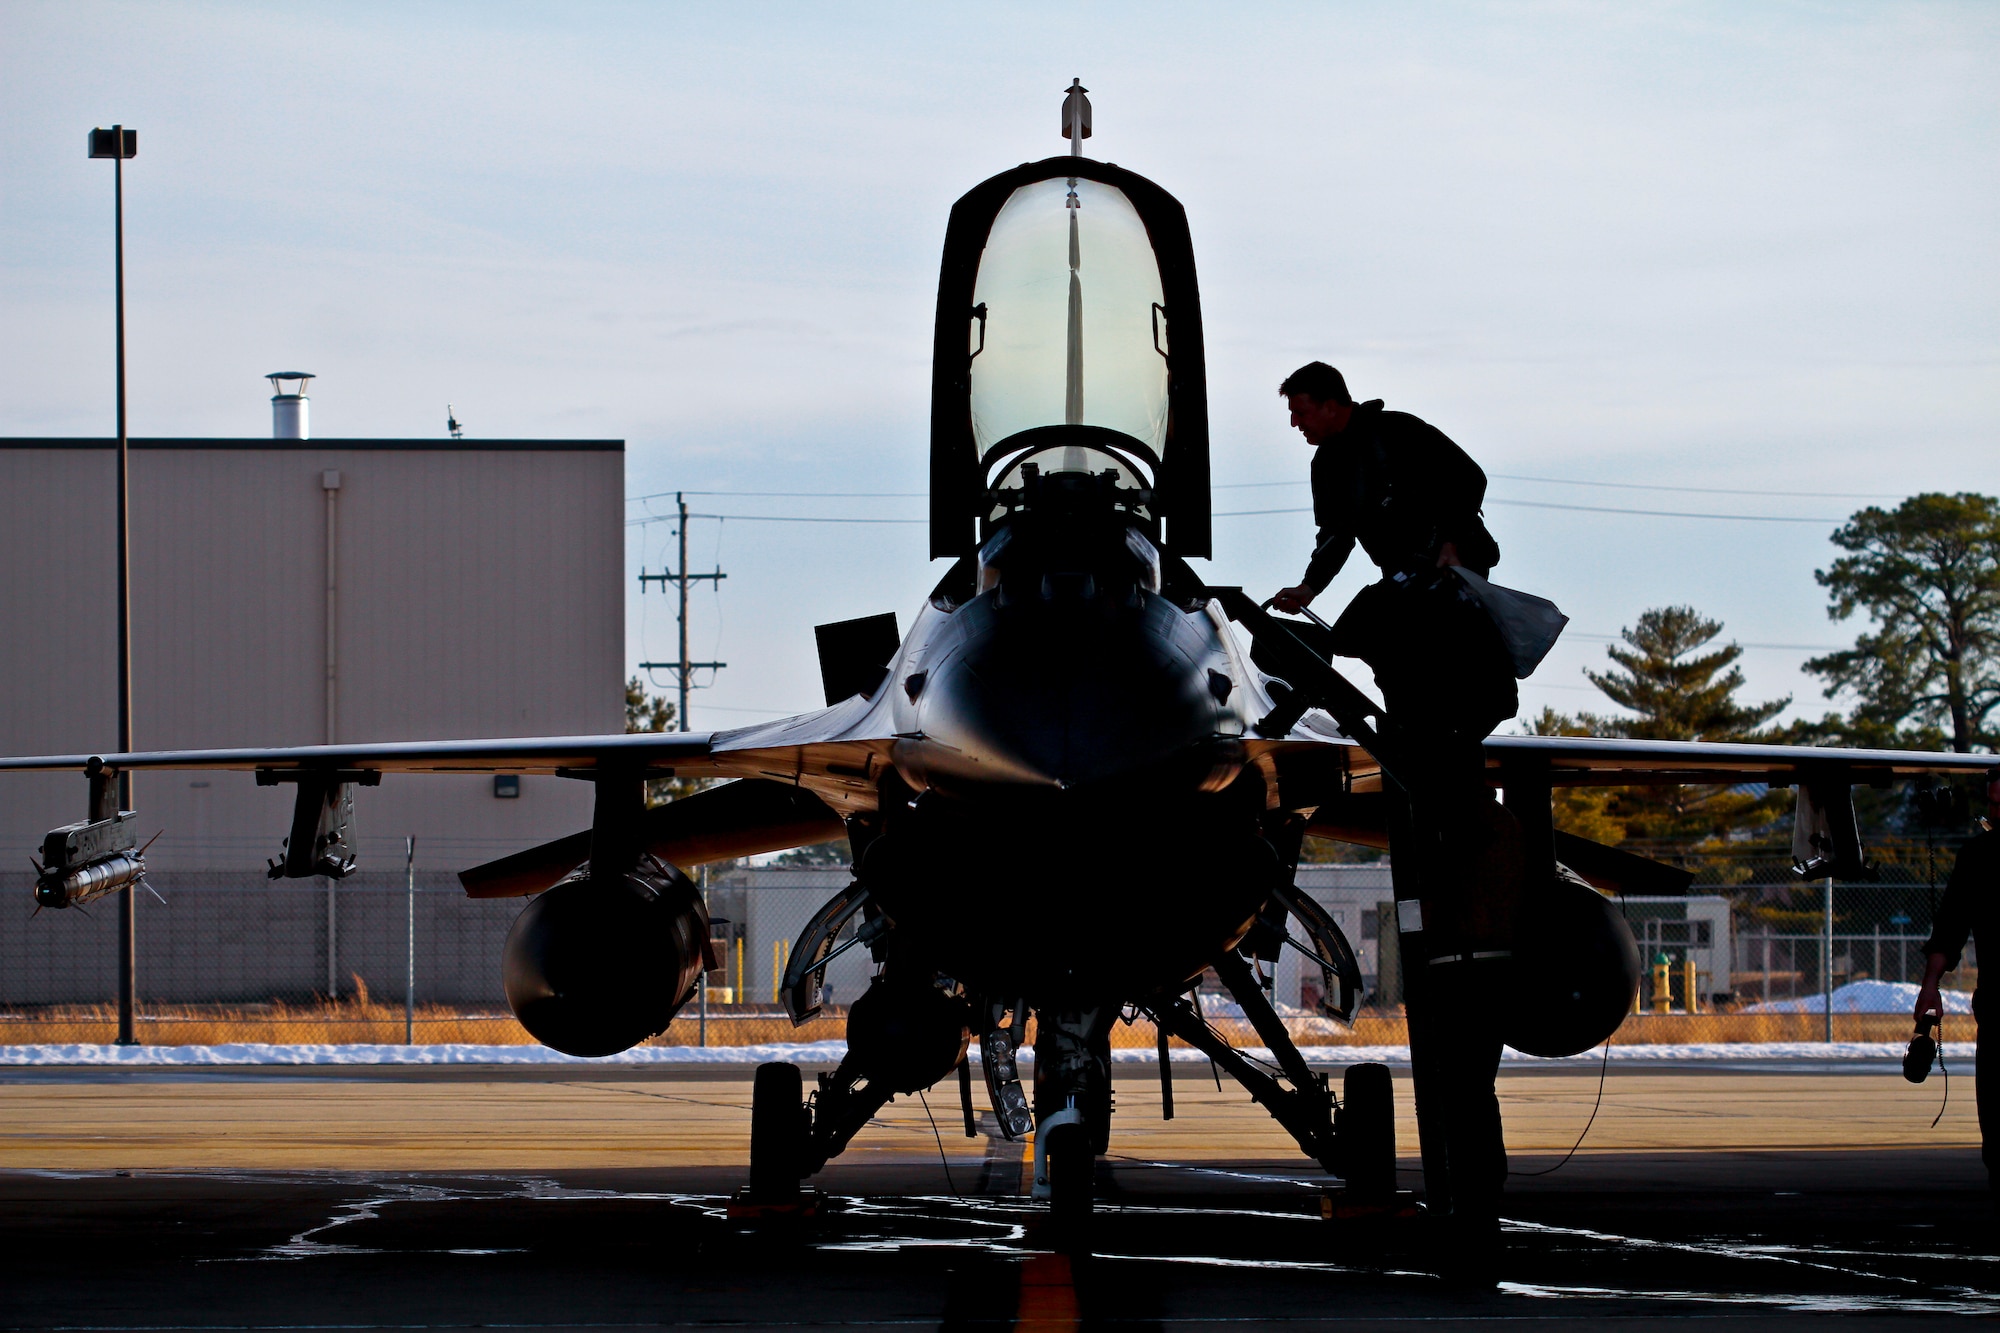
378, 958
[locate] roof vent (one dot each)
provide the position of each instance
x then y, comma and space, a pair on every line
288, 405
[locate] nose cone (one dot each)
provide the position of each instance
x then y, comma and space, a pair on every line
1045, 702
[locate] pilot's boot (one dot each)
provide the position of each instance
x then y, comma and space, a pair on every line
1466, 1032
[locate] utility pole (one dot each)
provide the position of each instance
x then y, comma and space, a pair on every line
1826, 964
119, 143
683, 669
410, 940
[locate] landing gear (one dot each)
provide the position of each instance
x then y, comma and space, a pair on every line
902, 1036
1072, 1172
1305, 1107
779, 1126
1072, 1115
1366, 1132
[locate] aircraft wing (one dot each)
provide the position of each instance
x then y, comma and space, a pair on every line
690, 752
1603, 761
1328, 714
776, 749
1315, 760
1339, 784
799, 778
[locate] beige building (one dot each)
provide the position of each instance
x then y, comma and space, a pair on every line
294, 592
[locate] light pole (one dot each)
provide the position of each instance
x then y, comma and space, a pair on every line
119, 143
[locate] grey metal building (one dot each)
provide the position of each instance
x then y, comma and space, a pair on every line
292, 591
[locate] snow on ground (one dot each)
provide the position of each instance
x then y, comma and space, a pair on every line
265, 1053
1865, 997
829, 1052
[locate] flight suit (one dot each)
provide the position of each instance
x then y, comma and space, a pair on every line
1971, 907
1400, 489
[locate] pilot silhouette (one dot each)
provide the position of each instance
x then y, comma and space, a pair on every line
1401, 489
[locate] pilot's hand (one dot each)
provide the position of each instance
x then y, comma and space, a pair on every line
1294, 599
1928, 999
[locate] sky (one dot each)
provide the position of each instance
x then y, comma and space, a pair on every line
1689, 259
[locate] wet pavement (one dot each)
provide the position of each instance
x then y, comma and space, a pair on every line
1223, 1243
477, 1198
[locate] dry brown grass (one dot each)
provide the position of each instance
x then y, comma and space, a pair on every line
362, 1020
336, 1022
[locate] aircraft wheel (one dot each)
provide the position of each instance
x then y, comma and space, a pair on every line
1367, 1130
778, 1129
1072, 1177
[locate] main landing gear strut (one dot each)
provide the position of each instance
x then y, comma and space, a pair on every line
1353, 1136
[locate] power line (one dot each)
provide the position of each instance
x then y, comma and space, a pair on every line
1303, 481
1666, 513
1252, 513
1583, 509
764, 712
1610, 485
1794, 647
764, 518
810, 495
1695, 490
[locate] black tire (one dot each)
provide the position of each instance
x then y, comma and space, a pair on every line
777, 1132
1072, 1176
1367, 1131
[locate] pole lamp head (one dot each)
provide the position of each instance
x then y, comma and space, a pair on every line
114, 142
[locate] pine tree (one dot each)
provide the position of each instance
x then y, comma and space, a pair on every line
646, 712
1680, 692
1681, 689
1928, 574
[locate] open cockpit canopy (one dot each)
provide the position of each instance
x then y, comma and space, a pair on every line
1068, 341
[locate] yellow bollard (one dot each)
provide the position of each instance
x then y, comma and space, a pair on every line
781, 954
738, 988
1663, 986
1689, 983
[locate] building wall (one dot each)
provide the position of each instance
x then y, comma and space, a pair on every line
765, 908
237, 938
478, 594
1352, 895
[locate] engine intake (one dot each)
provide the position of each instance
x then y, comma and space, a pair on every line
595, 967
1576, 972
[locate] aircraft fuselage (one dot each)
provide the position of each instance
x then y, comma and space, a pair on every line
1071, 744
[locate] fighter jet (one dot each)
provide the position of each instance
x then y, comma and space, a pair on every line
1068, 792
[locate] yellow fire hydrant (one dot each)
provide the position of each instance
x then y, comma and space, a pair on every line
1663, 985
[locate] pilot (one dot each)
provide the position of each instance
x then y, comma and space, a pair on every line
1971, 906
1411, 498
1399, 486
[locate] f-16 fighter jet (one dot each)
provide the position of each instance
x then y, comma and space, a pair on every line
1068, 792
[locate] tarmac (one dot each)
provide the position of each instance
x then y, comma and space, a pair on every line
595, 1197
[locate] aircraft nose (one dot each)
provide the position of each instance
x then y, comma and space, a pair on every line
1065, 712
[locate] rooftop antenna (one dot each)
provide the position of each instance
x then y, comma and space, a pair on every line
451, 423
